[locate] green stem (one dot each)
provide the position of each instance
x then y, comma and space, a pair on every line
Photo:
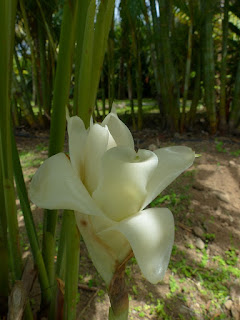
4, 281
56, 309
103, 23
57, 132
83, 36
29, 224
7, 17
84, 67
72, 265
92, 45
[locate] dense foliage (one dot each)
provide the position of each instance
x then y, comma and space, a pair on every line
184, 54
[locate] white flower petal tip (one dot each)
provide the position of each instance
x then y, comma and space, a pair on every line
151, 236
114, 109
119, 131
172, 161
56, 186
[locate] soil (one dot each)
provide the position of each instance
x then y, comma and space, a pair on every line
202, 281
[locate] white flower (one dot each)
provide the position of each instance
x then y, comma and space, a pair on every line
108, 185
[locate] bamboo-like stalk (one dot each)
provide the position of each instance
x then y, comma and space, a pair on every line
72, 266
57, 132
208, 65
47, 28
154, 56
169, 70
187, 74
223, 73
196, 93
235, 112
130, 91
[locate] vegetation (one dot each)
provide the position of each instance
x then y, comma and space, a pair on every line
186, 60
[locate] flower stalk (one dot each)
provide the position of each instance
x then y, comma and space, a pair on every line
118, 295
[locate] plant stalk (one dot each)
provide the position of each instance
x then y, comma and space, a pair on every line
118, 296
57, 132
72, 266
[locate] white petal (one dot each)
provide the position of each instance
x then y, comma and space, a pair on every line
57, 186
151, 236
77, 135
123, 179
97, 144
108, 249
120, 132
172, 161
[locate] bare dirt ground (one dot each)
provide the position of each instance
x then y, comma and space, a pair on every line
203, 278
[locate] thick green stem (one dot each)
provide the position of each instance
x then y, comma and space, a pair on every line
72, 266
84, 72
4, 272
57, 133
84, 34
110, 56
56, 309
7, 17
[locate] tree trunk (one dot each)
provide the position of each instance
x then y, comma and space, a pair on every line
163, 95
235, 113
169, 70
196, 93
223, 72
208, 64
130, 92
187, 75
